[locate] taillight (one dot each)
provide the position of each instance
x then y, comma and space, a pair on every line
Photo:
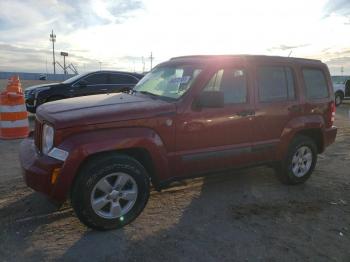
331, 113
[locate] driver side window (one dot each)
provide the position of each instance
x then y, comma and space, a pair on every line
232, 83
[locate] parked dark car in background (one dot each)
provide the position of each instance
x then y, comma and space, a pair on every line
91, 83
42, 77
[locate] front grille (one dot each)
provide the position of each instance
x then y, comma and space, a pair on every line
38, 134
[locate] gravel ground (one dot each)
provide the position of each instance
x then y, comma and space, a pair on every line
237, 216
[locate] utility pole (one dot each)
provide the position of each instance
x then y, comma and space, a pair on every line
53, 40
143, 65
151, 58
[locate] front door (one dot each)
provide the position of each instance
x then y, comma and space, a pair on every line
210, 139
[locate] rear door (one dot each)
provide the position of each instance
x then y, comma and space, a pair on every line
318, 92
276, 103
121, 82
95, 83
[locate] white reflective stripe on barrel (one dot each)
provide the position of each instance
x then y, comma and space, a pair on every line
12, 109
11, 124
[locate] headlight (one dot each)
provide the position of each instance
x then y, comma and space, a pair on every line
47, 138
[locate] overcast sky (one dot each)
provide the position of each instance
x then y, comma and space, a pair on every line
118, 33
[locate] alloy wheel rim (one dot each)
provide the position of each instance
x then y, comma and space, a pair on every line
114, 195
301, 161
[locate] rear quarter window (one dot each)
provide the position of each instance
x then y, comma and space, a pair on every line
315, 84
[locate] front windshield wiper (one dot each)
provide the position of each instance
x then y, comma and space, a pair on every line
165, 98
148, 93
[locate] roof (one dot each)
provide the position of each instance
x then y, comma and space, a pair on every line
245, 57
119, 72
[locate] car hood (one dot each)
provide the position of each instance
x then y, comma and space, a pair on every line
98, 109
42, 85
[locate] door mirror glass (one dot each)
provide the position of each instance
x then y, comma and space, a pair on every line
211, 99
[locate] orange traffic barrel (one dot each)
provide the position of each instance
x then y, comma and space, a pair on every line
13, 113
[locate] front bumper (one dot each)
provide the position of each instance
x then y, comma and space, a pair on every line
37, 168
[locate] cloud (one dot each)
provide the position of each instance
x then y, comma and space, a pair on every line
340, 7
25, 27
31, 19
66, 13
336, 60
22, 59
339, 65
286, 47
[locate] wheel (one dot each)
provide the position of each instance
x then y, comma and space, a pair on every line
110, 192
338, 98
300, 161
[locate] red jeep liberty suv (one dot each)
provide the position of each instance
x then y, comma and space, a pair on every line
188, 117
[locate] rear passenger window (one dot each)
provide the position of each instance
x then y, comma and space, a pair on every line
315, 84
120, 79
233, 84
275, 83
96, 79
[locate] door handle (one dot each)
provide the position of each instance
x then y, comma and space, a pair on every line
246, 113
294, 108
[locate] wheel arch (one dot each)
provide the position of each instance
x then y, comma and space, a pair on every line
141, 155
315, 134
142, 144
311, 126
340, 92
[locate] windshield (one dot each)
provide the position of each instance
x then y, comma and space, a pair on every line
168, 81
74, 78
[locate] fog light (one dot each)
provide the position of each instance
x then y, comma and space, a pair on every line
55, 174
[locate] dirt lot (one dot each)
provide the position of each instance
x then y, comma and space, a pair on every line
238, 216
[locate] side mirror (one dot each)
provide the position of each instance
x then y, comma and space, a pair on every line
211, 99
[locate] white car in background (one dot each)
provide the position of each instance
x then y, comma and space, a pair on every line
341, 87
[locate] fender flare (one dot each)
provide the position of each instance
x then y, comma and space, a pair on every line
83, 145
295, 126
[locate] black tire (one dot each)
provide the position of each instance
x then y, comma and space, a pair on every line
284, 169
338, 98
89, 176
